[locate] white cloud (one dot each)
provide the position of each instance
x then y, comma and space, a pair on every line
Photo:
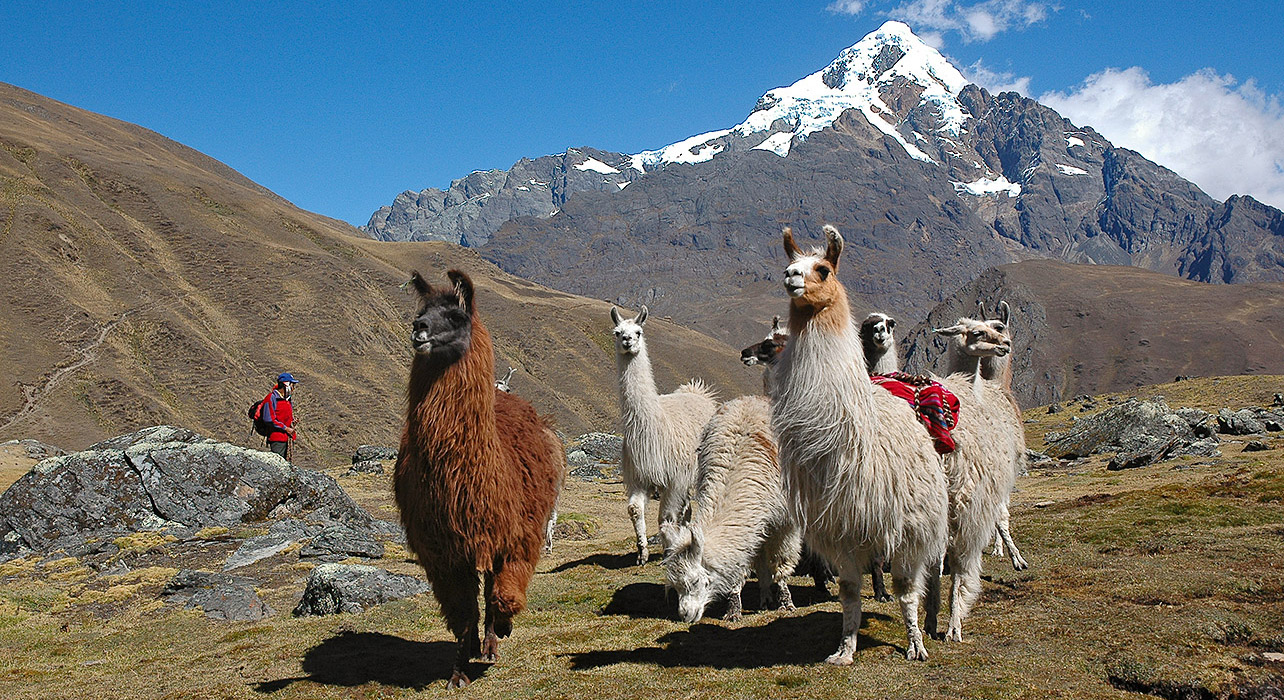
973, 22
847, 7
1228, 138
997, 81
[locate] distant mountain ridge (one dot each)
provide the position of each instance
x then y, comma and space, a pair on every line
930, 179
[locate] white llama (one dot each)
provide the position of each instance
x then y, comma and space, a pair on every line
661, 432
981, 469
860, 471
993, 367
738, 517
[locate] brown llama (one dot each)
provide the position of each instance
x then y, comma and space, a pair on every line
477, 475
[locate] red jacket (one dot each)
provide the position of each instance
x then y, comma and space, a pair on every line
280, 413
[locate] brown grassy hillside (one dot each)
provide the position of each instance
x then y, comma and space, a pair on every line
142, 282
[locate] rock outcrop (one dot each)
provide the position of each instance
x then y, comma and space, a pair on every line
1139, 432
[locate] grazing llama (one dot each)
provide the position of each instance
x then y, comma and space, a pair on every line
477, 474
981, 469
738, 518
661, 432
994, 367
860, 472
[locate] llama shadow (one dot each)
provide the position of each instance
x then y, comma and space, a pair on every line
606, 561
646, 600
351, 659
810, 639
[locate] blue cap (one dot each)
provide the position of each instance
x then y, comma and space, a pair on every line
286, 377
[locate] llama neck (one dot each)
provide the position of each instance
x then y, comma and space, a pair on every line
959, 362
452, 408
826, 355
638, 395
884, 363
997, 368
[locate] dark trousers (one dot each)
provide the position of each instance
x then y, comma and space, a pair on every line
281, 448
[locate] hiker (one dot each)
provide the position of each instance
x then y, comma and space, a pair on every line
275, 415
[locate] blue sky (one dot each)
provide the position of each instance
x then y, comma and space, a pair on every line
340, 106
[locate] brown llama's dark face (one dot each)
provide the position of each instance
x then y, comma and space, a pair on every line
442, 332
765, 351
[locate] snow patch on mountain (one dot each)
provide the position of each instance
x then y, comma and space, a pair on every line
851, 81
777, 143
985, 186
1071, 170
596, 166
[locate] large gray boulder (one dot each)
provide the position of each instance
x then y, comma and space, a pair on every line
345, 588
162, 478
1139, 432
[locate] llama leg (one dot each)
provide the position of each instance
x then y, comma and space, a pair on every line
458, 600
673, 509
907, 580
510, 593
876, 580
849, 594
997, 550
548, 531
735, 605
965, 585
932, 604
1018, 562
637, 511
490, 642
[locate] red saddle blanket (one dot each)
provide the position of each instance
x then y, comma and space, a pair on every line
935, 405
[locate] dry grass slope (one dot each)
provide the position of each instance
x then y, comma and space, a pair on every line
1167, 579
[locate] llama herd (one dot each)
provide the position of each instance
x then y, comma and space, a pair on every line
831, 466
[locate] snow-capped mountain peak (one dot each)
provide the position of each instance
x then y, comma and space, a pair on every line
889, 57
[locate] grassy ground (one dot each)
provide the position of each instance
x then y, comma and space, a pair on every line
1167, 579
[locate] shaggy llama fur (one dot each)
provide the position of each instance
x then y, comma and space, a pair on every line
859, 470
477, 474
661, 432
738, 517
981, 468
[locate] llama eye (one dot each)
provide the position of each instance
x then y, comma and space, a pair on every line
1000, 327
823, 272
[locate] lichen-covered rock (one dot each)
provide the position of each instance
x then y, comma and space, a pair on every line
369, 466
342, 542
219, 596
367, 453
1139, 432
163, 478
346, 588
36, 449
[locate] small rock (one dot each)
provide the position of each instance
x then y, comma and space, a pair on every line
1273, 656
1054, 408
1256, 446
1044, 504
1241, 422
341, 542
1277, 400
369, 466
220, 596
367, 453
257, 549
340, 588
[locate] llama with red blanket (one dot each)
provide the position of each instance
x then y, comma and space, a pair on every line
477, 474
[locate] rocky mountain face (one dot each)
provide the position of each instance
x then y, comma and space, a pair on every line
1087, 329
476, 206
144, 283
930, 179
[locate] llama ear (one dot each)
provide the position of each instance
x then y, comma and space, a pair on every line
980, 309
697, 539
678, 536
833, 245
463, 289
891, 323
641, 319
791, 248
776, 325
419, 283
615, 315
958, 329
1004, 312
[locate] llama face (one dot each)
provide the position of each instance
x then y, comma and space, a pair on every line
980, 338
686, 572
442, 332
765, 351
628, 332
878, 330
811, 278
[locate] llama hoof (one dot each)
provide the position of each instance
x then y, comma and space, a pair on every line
916, 651
839, 659
643, 556
457, 680
884, 598
954, 634
1019, 563
490, 649
788, 607
733, 616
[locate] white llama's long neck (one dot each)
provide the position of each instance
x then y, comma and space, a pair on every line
885, 363
959, 362
639, 400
